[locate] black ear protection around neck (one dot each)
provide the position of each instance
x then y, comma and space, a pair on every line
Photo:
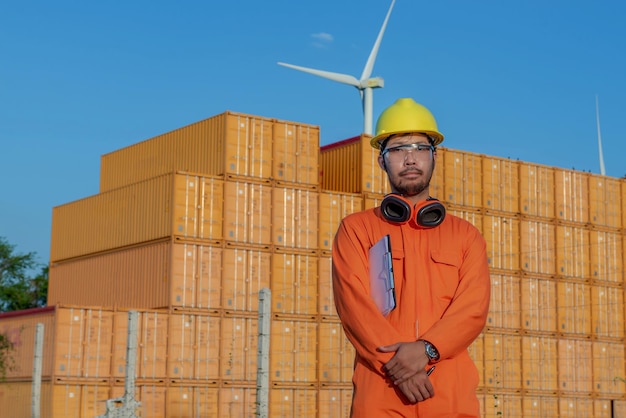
399, 210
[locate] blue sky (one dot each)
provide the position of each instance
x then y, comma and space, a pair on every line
511, 79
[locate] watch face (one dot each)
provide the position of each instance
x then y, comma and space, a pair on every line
431, 351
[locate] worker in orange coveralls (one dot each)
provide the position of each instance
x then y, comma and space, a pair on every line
442, 284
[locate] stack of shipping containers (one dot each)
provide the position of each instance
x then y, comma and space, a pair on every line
190, 225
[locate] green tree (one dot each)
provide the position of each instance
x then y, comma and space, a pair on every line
18, 288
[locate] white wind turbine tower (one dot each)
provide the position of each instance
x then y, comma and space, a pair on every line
602, 171
365, 84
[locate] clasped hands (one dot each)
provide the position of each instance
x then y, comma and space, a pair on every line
406, 370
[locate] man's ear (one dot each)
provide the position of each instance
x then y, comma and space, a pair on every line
381, 162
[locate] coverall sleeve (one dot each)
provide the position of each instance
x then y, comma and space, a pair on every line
465, 317
364, 325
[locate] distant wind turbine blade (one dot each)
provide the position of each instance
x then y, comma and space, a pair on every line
341, 78
602, 170
369, 66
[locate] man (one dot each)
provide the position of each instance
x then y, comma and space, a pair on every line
442, 284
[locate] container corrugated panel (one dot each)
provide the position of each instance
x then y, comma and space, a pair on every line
574, 305
351, 166
500, 184
606, 252
540, 405
294, 283
503, 405
237, 401
336, 354
539, 364
503, 243
152, 345
572, 251
198, 206
608, 363
295, 217
296, 153
462, 182
152, 396
571, 195
81, 399
619, 408
603, 408
245, 272
538, 246
607, 311
333, 207
537, 191
623, 187
504, 307
605, 201
247, 212
575, 367
20, 329
472, 216
192, 401
238, 349
196, 272
575, 407
293, 348
334, 402
502, 361
326, 299
225, 144
372, 200
539, 306
193, 349
135, 277
292, 402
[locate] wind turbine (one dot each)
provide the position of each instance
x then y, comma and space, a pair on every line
602, 171
365, 84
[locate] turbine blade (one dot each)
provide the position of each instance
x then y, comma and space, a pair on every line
369, 66
602, 170
341, 78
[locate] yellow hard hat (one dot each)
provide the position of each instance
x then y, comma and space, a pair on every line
405, 116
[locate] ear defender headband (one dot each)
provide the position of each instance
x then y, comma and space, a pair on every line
399, 210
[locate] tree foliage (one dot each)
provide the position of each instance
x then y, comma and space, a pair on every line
21, 286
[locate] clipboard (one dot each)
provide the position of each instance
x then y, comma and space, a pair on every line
382, 286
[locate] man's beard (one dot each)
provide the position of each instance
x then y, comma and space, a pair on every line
411, 188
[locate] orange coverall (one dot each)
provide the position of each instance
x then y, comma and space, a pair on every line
442, 289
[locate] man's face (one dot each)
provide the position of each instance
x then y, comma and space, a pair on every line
409, 163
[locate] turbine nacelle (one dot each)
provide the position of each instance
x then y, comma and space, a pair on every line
372, 83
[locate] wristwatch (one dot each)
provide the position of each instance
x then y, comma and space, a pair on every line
431, 351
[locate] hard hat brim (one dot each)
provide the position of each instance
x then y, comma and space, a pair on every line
436, 136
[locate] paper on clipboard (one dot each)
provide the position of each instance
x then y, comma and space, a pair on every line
382, 287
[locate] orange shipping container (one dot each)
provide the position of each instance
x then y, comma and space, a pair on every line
502, 365
606, 252
607, 311
539, 364
156, 275
572, 251
537, 244
574, 307
500, 184
238, 349
575, 367
539, 307
193, 349
247, 212
336, 354
609, 362
325, 297
294, 218
181, 205
575, 407
333, 207
292, 402
335, 402
192, 401
537, 191
151, 395
503, 243
294, 283
372, 200
503, 405
226, 144
295, 153
293, 351
245, 272
540, 405
571, 195
462, 178
504, 308
235, 401
472, 216
605, 201
351, 166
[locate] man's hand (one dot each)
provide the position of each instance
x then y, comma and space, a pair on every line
410, 359
417, 388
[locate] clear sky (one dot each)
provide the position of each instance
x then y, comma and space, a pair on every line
79, 79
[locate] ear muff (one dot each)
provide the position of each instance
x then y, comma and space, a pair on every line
427, 214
